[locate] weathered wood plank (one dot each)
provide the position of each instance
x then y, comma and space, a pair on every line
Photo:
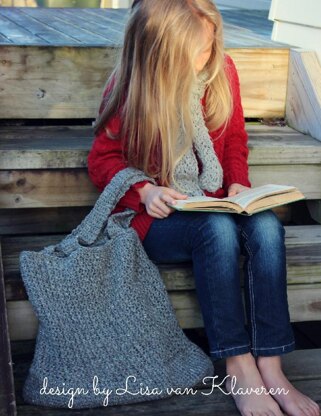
113, 19
60, 188
303, 107
305, 374
45, 147
298, 365
47, 220
41, 188
303, 252
68, 82
56, 82
304, 305
4, 40
15, 33
250, 21
253, 91
57, 147
252, 5
75, 33
7, 392
253, 28
43, 34
302, 365
303, 266
305, 177
63, 219
203, 403
84, 18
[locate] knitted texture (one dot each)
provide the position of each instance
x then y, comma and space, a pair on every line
104, 316
106, 157
186, 174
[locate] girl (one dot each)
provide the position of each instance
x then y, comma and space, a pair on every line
172, 108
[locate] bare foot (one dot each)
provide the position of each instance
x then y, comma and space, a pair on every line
244, 379
294, 403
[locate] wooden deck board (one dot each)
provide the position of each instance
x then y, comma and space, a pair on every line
44, 34
302, 368
68, 146
43, 188
303, 253
46, 82
72, 32
199, 404
303, 246
250, 19
4, 40
16, 33
113, 18
20, 26
35, 160
110, 30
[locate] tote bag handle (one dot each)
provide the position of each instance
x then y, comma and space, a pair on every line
89, 229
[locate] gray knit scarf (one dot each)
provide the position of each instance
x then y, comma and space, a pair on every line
186, 172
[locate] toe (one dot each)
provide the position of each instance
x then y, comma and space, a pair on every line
316, 408
307, 411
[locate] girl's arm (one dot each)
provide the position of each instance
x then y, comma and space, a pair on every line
234, 164
105, 159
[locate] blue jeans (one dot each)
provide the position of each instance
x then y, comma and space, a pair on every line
214, 242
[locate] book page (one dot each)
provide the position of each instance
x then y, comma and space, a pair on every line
242, 200
274, 201
246, 197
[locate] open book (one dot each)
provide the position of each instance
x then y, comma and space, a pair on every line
247, 202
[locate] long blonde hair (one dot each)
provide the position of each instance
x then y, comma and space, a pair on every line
153, 78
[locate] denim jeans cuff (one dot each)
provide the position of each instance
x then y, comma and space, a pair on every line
229, 352
269, 351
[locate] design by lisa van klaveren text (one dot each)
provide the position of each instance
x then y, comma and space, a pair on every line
131, 387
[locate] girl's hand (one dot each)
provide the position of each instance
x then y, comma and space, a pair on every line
236, 188
155, 198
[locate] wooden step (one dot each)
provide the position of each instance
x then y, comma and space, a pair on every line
302, 368
303, 245
46, 166
62, 147
61, 59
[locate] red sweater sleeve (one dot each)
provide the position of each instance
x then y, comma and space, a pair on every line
234, 164
105, 159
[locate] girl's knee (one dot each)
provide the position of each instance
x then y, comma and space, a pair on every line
217, 229
271, 225
266, 229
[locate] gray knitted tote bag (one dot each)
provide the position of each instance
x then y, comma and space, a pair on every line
108, 333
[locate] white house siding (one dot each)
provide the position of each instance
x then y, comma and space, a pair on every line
298, 23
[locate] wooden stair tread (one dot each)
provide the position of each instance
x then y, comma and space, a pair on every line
44, 167
62, 72
302, 367
105, 26
198, 404
58, 147
303, 245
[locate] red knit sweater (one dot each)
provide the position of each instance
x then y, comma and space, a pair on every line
106, 158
